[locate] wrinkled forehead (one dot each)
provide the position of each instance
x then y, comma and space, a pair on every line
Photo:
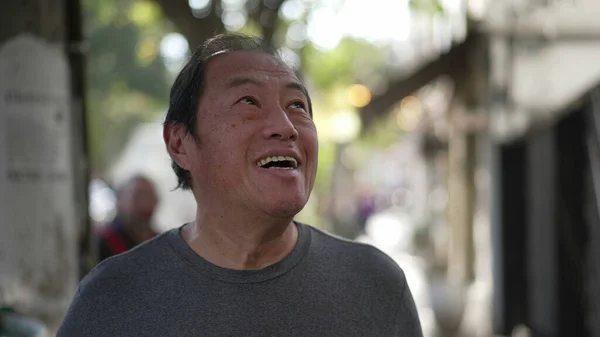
248, 63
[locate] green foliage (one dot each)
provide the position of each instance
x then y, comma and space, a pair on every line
340, 66
124, 46
382, 134
250, 28
326, 162
127, 78
120, 54
427, 6
144, 14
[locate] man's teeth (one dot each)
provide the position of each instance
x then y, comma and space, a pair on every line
267, 160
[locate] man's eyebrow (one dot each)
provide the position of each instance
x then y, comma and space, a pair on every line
297, 86
239, 81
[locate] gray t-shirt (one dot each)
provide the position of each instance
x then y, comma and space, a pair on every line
325, 287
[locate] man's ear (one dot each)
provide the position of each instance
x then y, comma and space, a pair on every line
175, 135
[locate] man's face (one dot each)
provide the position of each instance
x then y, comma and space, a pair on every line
257, 146
138, 202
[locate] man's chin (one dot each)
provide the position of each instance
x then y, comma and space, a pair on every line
286, 210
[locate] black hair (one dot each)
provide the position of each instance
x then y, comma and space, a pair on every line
189, 84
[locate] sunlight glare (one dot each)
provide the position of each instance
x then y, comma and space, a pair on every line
293, 10
173, 47
199, 5
359, 95
234, 20
377, 21
290, 57
296, 35
233, 5
323, 30
345, 126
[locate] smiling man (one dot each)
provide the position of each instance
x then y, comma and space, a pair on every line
241, 136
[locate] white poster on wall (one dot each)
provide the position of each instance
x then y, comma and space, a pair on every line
38, 258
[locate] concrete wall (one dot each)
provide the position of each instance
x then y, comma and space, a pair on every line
544, 58
39, 209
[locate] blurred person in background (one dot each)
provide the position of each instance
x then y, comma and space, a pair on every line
241, 135
136, 203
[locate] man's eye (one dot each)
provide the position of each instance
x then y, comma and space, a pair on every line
298, 105
248, 100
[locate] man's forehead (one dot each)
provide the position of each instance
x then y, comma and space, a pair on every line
249, 64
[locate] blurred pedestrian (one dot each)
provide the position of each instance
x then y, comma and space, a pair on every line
136, 203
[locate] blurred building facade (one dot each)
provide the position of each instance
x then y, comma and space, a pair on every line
43, 158
522, 158
544, 76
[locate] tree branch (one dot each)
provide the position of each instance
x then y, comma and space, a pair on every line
453, 64
266, 13
194, 29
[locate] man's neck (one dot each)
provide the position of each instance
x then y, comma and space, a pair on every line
241, 244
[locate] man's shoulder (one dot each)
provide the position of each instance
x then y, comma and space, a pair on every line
328, 241
356, 255
127, 265
123, 283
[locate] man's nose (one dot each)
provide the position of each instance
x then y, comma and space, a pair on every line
279, 126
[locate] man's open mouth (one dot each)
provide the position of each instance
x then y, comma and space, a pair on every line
279, 162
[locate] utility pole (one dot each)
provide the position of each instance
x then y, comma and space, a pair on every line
466, 121
43, 179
